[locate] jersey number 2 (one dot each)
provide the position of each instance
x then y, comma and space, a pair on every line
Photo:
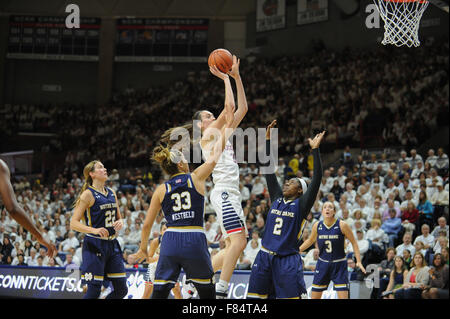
278, 225
110, 218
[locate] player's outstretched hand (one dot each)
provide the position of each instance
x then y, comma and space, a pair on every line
214, 70
315, 142
269, 128
51, 248
234, 72
360, 266
138, 256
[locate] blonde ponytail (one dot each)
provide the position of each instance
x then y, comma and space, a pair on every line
87, 180
167, 158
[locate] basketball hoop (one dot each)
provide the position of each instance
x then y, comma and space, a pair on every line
401, 20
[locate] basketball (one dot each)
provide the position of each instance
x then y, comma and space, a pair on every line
222, 59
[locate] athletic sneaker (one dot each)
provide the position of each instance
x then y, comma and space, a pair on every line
221, 293
105, 292
187, 289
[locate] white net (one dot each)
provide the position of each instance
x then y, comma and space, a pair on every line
401, 21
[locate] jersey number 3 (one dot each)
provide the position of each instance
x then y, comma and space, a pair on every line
182, 201
329, 248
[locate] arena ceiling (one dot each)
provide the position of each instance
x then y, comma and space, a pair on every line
219, 9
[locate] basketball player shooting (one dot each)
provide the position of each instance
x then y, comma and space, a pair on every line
225, 196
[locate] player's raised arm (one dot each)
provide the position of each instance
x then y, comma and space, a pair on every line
311, 239
155, 207
17, 212
242, 107
347, 231
308, 198
272, 181
219, 123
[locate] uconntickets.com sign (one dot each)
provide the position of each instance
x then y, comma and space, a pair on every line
64, 283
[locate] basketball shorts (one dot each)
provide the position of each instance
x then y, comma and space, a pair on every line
228, 208
101, 259
187, 250
274, 276
326, 272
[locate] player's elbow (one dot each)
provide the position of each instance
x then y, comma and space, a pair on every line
72, 224
13, 209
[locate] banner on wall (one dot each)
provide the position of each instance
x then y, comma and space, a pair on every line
270, 15
65, 283
310, 11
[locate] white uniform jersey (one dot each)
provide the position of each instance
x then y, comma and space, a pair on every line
226, 172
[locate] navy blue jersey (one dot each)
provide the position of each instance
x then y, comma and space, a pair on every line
331, 241
104, 211
284, 227
182, 205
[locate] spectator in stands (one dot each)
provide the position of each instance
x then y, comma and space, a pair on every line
387, 211
310, 260
396, 278
336, 189
69, 261
363, 245
407, 198
245, 193
442, 225
70, 242
438, 286
377, 235
211, 235
425, 209
358, 217
31, 260
258, 188
251, 251
385, 267
352, 270
441, 161
350, 193
410, 217
439, 200
407, 239
420, 247
416, 279
444, 254
6, 248
426, 238
414, 158
346, 217
431, 159
392, 227
346, 158
440, 245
